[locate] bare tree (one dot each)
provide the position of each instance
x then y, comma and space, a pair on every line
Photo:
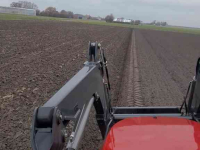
42, 13
51, 11
16, 4
137, 22
63, 14
70, 14
163, 23
109, 18
158, 23
153, 22
24, 4
37, 12
28, 5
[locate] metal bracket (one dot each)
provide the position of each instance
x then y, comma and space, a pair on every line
47, 130
100, 115
93, 51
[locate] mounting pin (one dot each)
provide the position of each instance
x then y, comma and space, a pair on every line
58, 116
71, 137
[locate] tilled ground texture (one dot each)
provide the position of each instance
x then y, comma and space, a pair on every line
37, 59
167, 63
158, 67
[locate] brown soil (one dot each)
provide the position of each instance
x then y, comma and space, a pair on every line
166, 66
37, 59
167, 63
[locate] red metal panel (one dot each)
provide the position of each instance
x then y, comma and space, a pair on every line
148, 133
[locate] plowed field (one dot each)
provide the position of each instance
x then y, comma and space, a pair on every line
38, 57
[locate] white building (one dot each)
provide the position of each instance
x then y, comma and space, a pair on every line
122, 20
14, 10
127, 20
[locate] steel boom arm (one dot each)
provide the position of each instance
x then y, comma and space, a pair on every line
72, 102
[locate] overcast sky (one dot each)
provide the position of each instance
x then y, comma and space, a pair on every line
175, 12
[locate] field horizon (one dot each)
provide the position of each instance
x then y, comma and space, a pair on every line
170, 28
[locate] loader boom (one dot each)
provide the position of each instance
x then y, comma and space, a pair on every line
91, 87
73, 102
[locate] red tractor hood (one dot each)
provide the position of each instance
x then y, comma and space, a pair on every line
148, 133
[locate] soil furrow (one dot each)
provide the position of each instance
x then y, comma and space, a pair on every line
130, 87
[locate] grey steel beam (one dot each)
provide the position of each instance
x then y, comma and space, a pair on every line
77, 135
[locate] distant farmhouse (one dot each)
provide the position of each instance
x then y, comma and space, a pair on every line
14, 10
122, 20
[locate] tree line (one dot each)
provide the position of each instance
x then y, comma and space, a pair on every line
24, 4
49, 11
158, 23
109, 18
52, 12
